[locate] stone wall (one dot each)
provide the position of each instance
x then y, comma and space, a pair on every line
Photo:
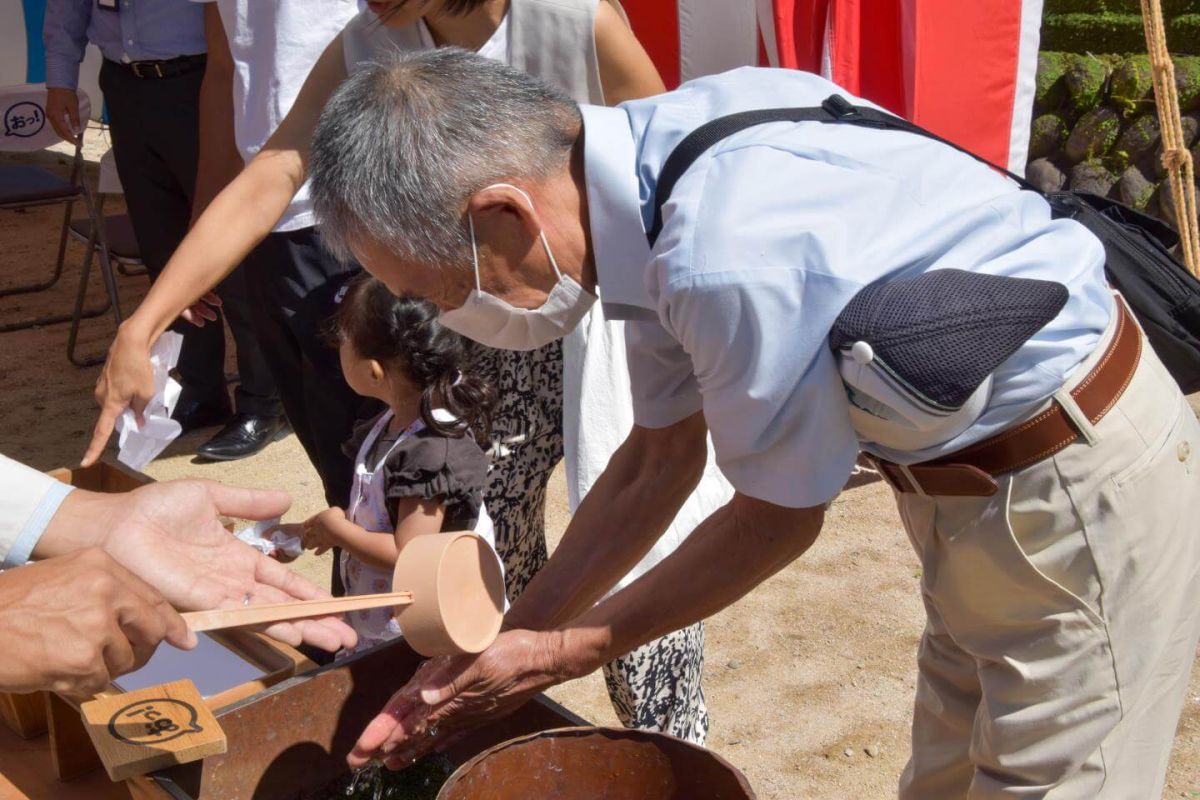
1094, 126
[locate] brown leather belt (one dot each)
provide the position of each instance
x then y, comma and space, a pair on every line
972, 471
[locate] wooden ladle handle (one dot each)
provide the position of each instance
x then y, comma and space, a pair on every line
222, 618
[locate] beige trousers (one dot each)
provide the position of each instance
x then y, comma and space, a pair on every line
1062, 613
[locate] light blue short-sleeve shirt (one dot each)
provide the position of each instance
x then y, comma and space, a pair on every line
765, 240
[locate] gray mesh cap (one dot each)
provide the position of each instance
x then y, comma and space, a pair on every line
938, 336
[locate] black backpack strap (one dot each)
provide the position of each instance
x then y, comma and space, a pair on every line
835, 109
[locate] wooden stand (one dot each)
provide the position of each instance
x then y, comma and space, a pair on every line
156, 727
26, 773
71, 749
71, 752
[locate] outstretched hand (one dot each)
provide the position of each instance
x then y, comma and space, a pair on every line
451, 695
170, 535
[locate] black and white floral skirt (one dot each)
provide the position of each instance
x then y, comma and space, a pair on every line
657, 686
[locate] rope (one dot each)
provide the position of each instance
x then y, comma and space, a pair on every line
1175, 158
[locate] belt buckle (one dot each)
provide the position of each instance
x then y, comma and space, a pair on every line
881, 467
137, 69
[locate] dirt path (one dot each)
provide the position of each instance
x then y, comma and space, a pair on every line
816, 663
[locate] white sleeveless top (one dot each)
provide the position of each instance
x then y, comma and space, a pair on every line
495, 48
545, 39
541, 37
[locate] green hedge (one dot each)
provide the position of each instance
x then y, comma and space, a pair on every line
1184, 29
1112, 32
1170, 8
1093, 33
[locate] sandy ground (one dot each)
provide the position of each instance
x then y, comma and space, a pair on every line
809, 679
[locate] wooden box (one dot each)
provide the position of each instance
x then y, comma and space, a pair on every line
103, 476
24, 714
71, 751
295, 736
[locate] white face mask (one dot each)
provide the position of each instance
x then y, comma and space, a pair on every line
494, 322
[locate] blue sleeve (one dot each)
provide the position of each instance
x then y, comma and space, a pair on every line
28, 501
64, 34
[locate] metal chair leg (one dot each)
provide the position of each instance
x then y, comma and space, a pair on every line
30, 288
110, 283
96, 207
56, 319
80, 313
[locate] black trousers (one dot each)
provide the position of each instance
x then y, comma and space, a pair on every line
155, 134
296, 286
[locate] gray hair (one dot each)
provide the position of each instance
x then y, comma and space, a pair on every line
401, 145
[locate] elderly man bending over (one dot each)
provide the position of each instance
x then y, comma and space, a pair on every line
815, 290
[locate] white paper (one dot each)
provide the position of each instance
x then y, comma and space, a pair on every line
139, 445
266, 537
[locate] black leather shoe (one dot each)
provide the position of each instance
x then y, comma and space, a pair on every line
193, 415
243, 436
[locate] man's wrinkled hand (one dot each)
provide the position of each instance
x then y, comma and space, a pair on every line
73, 623
449, 696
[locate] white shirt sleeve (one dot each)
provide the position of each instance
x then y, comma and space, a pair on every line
772, 396
28, 500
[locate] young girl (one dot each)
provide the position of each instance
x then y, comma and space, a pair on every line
417, 467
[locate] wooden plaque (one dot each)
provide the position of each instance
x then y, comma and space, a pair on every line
138, 732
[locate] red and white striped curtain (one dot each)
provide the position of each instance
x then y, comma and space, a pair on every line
962, 68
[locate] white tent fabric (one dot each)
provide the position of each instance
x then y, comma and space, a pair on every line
23, 114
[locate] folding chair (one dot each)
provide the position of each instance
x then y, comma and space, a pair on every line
26, 129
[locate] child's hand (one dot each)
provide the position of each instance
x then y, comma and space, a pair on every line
287, 531
320, 531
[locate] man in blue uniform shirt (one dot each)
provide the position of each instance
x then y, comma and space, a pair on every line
154, 66
815, 291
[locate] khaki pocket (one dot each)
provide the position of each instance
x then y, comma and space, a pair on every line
1154, 450
1064, 564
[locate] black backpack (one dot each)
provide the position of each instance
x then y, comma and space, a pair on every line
1163, 295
